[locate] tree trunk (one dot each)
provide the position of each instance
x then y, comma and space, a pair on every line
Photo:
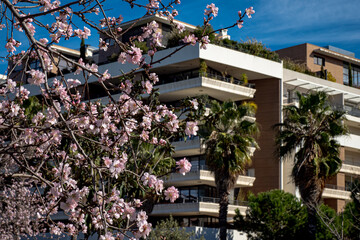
224, 202
311, 223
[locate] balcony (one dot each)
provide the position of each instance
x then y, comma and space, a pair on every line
336, 192
215, 86
201, 175
350, 141
189, 147
350, 167
200, 206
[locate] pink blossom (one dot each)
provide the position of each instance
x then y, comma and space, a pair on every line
11, 44
147, 85
10, 85
171, 194
204, 42
211, 9
190, 39
151, 53
83, 34
37, 77
191, 128
162, 142
107, 161
180, 27
134, 55
103, 45
73, 82
144, 229
184, 166
122, 58
159, 186
239, 23
194, 104
153, 77
249, 11
105, 76
107, 236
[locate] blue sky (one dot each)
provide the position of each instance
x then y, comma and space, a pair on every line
276, 23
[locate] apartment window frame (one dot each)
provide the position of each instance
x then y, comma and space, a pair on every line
110, 41
36, 65
355, 73
319, 60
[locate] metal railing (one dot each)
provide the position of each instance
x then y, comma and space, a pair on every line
210, 200
352, 163
181, 77
336, 187
353, 111
197, 168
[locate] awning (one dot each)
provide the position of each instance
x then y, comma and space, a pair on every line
311, 86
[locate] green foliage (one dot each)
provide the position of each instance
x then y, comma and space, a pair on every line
113, 57
199, 32
203, 68
352, 213
279, 215
229, 136
244, 79
327, 223
322, 71
310, 131
175, 38
251, 46
330, 77
352, 221
169, 229
142, 46
32, 106
298, 67
273, 215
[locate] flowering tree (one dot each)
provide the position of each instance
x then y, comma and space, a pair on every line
72, 166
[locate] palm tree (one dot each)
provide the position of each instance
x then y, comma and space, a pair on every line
310, 131
229, 132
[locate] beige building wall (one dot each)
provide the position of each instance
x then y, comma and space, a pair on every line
332, 65
304, 53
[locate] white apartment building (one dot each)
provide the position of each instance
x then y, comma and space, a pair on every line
271, 87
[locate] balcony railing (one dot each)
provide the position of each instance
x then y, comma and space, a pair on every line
197, 168
353, 111
195, 74
212, 200
336, 187
352, 163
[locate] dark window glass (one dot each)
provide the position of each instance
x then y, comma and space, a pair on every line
319, 61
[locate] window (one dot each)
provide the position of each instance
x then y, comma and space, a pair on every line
36, 65
319, 61
354, 75
346, 74
110, 41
